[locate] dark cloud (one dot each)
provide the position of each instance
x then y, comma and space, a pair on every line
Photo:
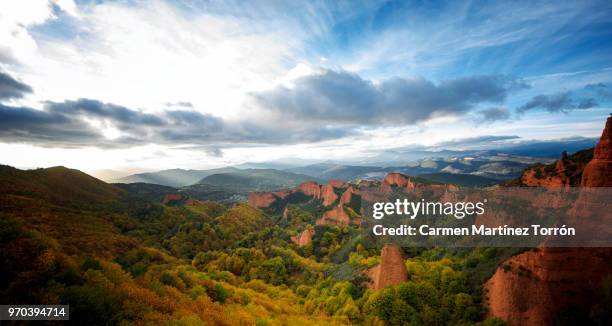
494, 114
11, 88
82, 123
344, 98
96, 109
600, 89
20, 124
559, 102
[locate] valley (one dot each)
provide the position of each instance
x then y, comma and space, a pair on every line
289, 251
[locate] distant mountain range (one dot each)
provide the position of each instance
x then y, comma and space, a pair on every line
232, 184
478, 167
224, 185
173, 177
256, 180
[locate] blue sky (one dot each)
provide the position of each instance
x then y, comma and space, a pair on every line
135, 85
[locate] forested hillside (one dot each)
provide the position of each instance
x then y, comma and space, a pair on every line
117, 257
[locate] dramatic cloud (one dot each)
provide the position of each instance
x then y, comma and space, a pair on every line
344, 98
87, 122
11, 88
559, 102
494, 114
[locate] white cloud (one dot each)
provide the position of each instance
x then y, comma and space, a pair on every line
16, 17
147, 56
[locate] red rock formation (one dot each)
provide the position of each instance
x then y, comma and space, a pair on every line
530, 178
566, 172
309, 188
598, 173
336, 183
348, 195
305, 238
262, 199
328, 194
533, 287
337, 216
396, 179
538, 176
391, 271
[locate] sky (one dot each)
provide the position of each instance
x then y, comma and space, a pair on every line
127, 86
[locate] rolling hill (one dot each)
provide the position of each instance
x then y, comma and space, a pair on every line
173, 177
242, 181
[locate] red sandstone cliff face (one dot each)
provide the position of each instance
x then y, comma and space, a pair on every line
565, 172
391, 271
598, 173
337, 216
328, 195
337, 183
559, 177
533, 287
396, 180
305, 238
309, 188
262, 199
348, 195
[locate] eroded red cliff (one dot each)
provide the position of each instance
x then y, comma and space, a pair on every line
338, 216
328, 195
598, 173
534, 287
262, 199
309, 188
304, 238
390, 271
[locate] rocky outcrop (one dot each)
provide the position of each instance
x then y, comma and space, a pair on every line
309, 188
598, 173
348, 195
262, 199
540, 176
390, 271
337, 216
304, 238
533, 287
328, 195
395, 179
268, 199
565, 172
